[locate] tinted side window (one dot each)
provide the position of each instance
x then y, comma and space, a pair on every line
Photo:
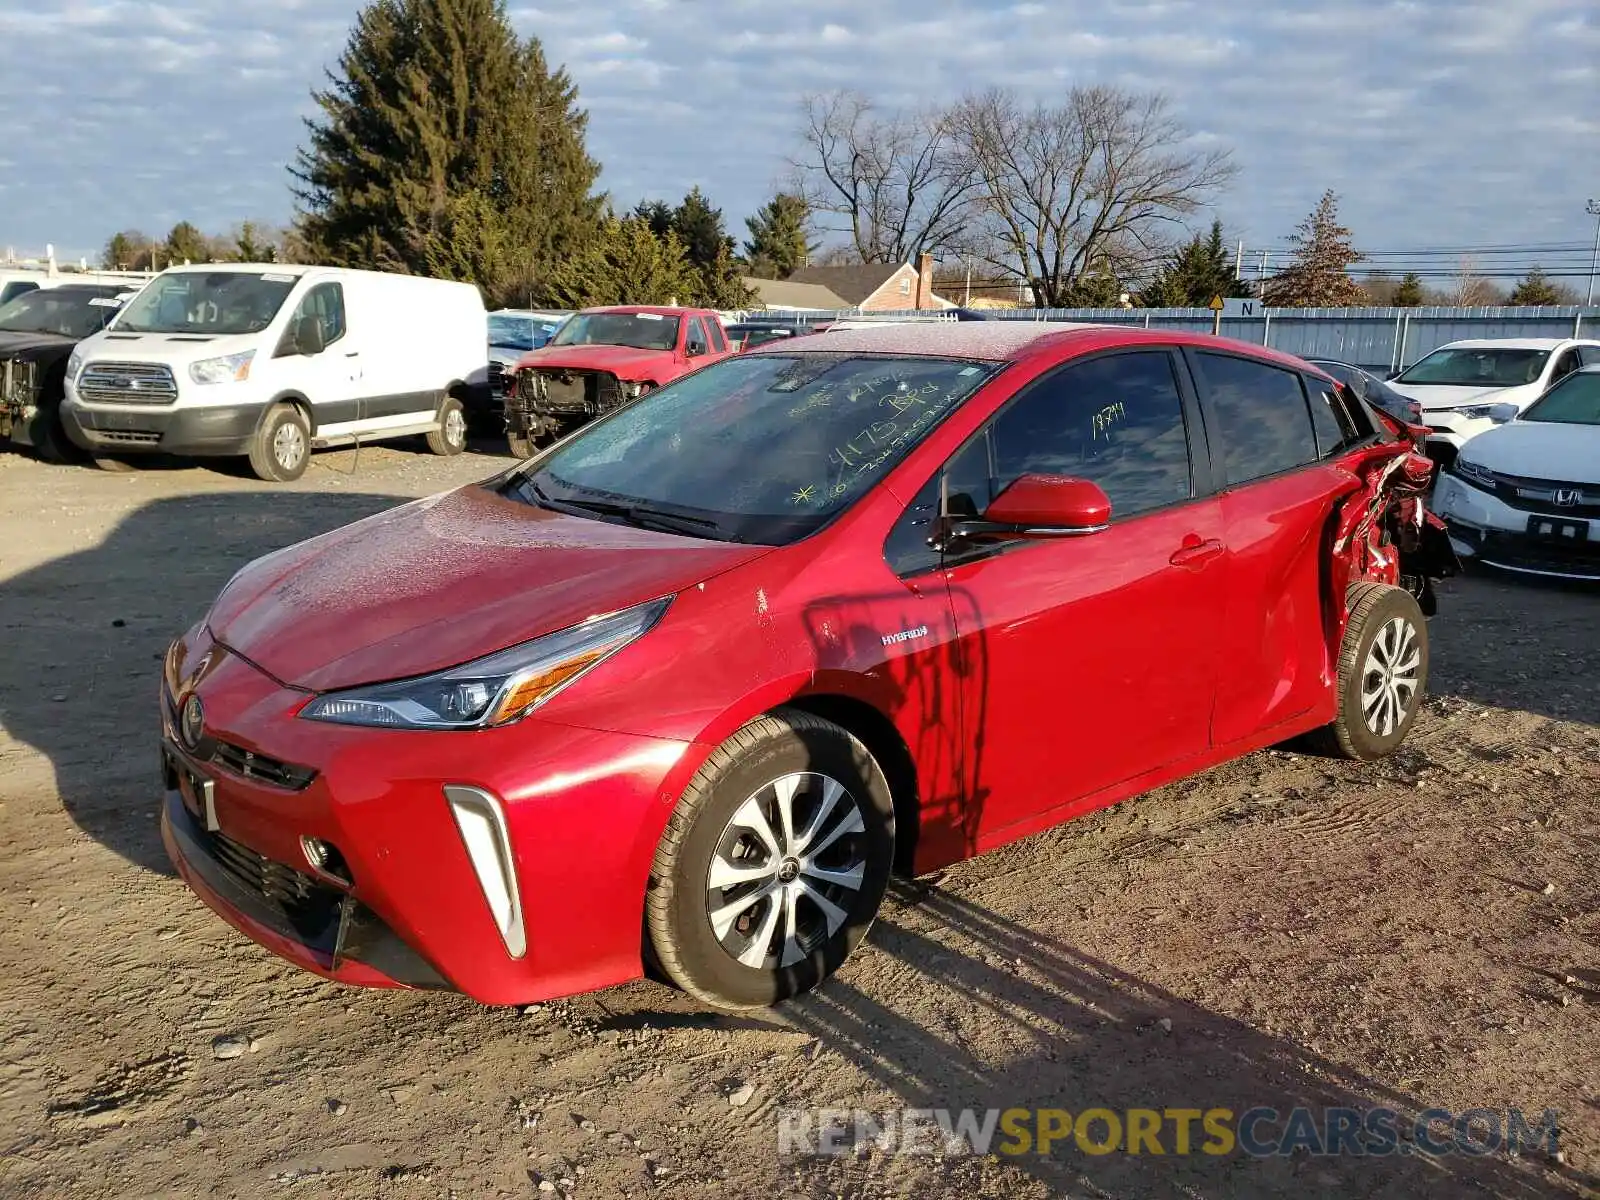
718, 344
1328, 417
324, 304
1589, 356
1263, 421
1117, 421
16, 288
696, 340
1565, 365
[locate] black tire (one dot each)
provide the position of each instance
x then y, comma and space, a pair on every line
786, 744
117, 466
1375, 609
276, 454
49, 433
521, 447
451, 436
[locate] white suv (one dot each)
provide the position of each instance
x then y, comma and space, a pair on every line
1467, 387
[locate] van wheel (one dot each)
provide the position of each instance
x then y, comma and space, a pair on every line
451, 436
773, 863
282, 445
1383, 673
117, 466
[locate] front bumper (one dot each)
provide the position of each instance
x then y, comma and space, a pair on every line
1448, 432
583, 813
1486, 529
222, 429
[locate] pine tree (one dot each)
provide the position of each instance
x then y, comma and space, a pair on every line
439, 123
1198, 270
127, 250
186, 244
625, 263
655, 213
1318, 277
1536, 289
779, 242
1409, 294
250, 247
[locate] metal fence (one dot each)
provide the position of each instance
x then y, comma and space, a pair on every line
1379, 339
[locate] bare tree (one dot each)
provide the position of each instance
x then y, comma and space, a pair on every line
898, 181
1468, 289
1089, 187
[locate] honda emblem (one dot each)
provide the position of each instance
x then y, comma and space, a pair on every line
1566, 497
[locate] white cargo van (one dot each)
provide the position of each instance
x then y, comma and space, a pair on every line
269, 361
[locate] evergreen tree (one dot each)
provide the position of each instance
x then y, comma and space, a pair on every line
779, 242
699, 227
625, 263
1198, 270
1537, 289
185, 243
655, 213
438, 124
1318, 276
1409, 294
251, 247
127, 250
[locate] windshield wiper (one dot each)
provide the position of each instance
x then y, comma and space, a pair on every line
642, 515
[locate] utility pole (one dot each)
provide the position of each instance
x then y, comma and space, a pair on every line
1593, 209
1238, 261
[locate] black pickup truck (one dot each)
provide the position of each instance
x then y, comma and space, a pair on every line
38, 330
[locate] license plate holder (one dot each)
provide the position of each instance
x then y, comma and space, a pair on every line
199, 794
1564, 530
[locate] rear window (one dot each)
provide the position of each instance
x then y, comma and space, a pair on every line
1264, 424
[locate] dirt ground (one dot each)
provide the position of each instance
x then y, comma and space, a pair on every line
1423, 933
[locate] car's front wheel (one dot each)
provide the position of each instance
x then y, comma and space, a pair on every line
1383, 673
773, 864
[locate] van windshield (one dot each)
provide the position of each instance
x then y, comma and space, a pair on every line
215, 302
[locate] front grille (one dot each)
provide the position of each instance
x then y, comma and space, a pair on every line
1517, 551
309, 907
127, 383
127, 437
259, 767
588, 392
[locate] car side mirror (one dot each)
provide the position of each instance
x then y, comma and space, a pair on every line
1501, 413
695, 349
1036, 507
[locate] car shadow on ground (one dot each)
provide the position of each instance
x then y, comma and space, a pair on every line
1518, 643
86, 634
954, 1007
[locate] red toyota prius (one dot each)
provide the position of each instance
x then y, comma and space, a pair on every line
680, 693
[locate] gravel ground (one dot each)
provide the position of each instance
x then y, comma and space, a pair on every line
1422, 933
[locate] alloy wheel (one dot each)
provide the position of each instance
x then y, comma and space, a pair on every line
787, 869
1389, 676
455, 427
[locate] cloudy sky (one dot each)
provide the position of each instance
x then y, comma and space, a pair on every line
1440, 122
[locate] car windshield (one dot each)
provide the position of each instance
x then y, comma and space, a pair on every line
1477, 366
216, 302
66, 312
1573, 401
642, 331
514, 333
764, 448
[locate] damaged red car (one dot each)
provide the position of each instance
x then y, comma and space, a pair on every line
678, 695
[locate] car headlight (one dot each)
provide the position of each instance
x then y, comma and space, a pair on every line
632, 389
1478, 412
230, 368
496, 690
1473, 473
74, 365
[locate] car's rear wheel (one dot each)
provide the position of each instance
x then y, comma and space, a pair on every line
1383, 673
773, 864
282, 445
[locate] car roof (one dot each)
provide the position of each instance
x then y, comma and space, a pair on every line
1505, 344
95, 289
994, 341
658, 310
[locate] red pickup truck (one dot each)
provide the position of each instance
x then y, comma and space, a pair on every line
600, 358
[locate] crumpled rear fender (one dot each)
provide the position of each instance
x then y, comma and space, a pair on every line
1383, 531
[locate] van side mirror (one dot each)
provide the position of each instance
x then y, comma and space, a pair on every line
308, 336
1036, 507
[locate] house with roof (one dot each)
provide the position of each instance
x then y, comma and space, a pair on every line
870, 287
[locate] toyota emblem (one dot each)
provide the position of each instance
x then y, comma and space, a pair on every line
192, 721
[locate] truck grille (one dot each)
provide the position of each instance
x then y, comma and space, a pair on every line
127, 383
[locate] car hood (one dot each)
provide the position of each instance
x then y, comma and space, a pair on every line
117, 346
1540, 450
625, 362
441, 581
34, 346
1442, 397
